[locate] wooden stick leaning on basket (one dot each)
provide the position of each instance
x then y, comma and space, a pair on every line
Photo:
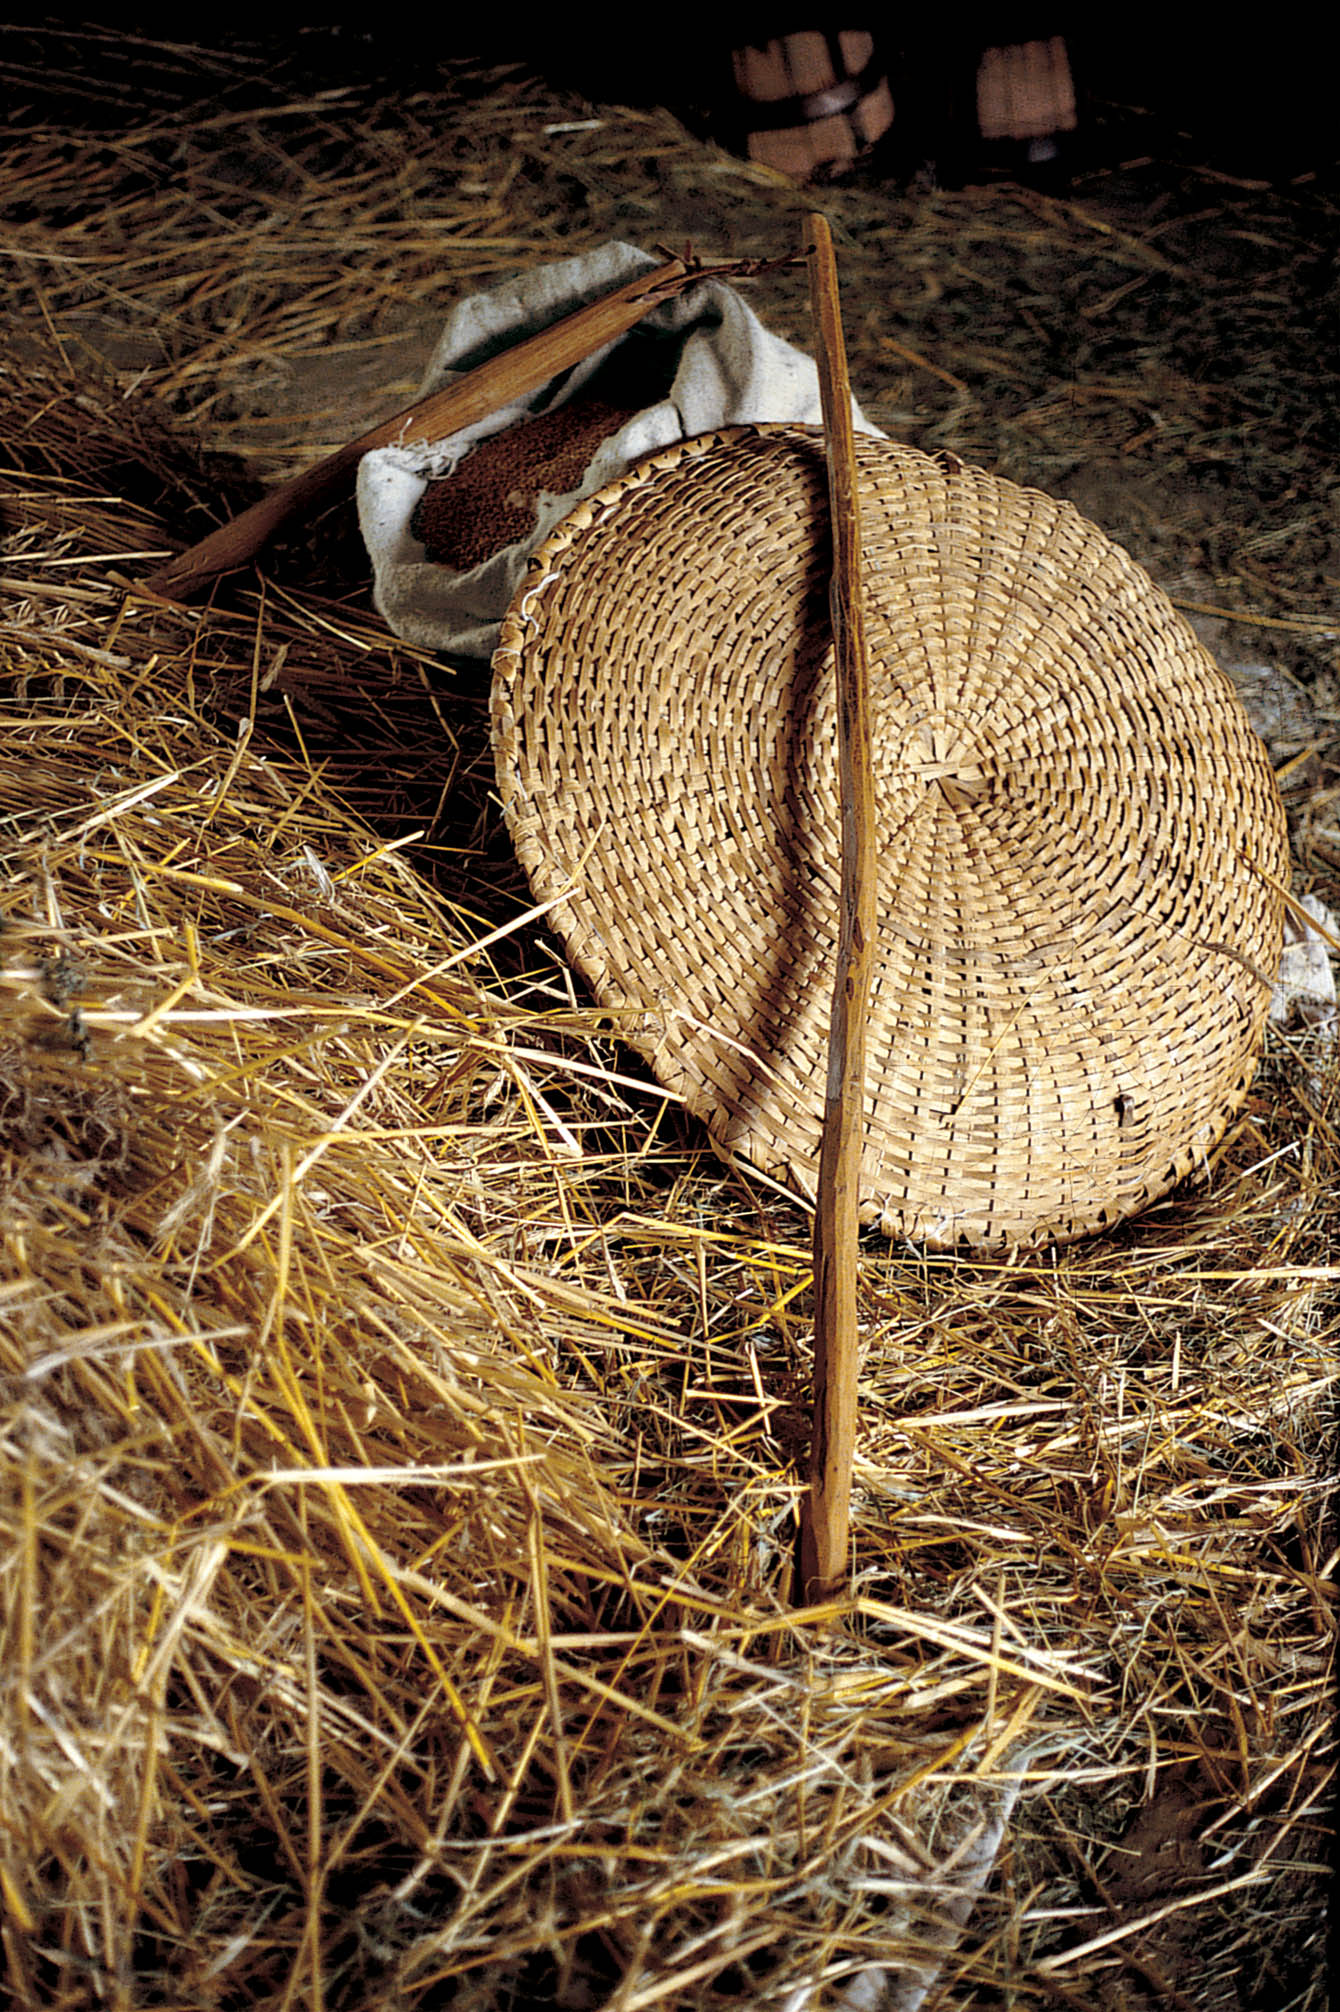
493, 384
825, 1511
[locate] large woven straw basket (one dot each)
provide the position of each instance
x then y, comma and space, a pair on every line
1081, 841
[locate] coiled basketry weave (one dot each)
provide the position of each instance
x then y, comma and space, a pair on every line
1081, 839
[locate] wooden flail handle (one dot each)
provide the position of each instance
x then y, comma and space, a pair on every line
498, 382
825, 1508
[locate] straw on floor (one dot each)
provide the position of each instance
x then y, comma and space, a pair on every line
401, 1402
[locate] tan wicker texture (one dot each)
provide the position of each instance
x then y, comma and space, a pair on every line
1079, 829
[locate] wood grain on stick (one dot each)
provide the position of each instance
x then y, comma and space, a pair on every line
493, 384
825, 1513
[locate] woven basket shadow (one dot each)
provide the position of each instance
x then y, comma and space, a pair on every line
1081, 840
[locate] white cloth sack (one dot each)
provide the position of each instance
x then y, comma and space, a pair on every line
729, 371
1305, 989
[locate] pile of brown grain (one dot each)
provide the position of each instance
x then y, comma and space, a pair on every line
489, 501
